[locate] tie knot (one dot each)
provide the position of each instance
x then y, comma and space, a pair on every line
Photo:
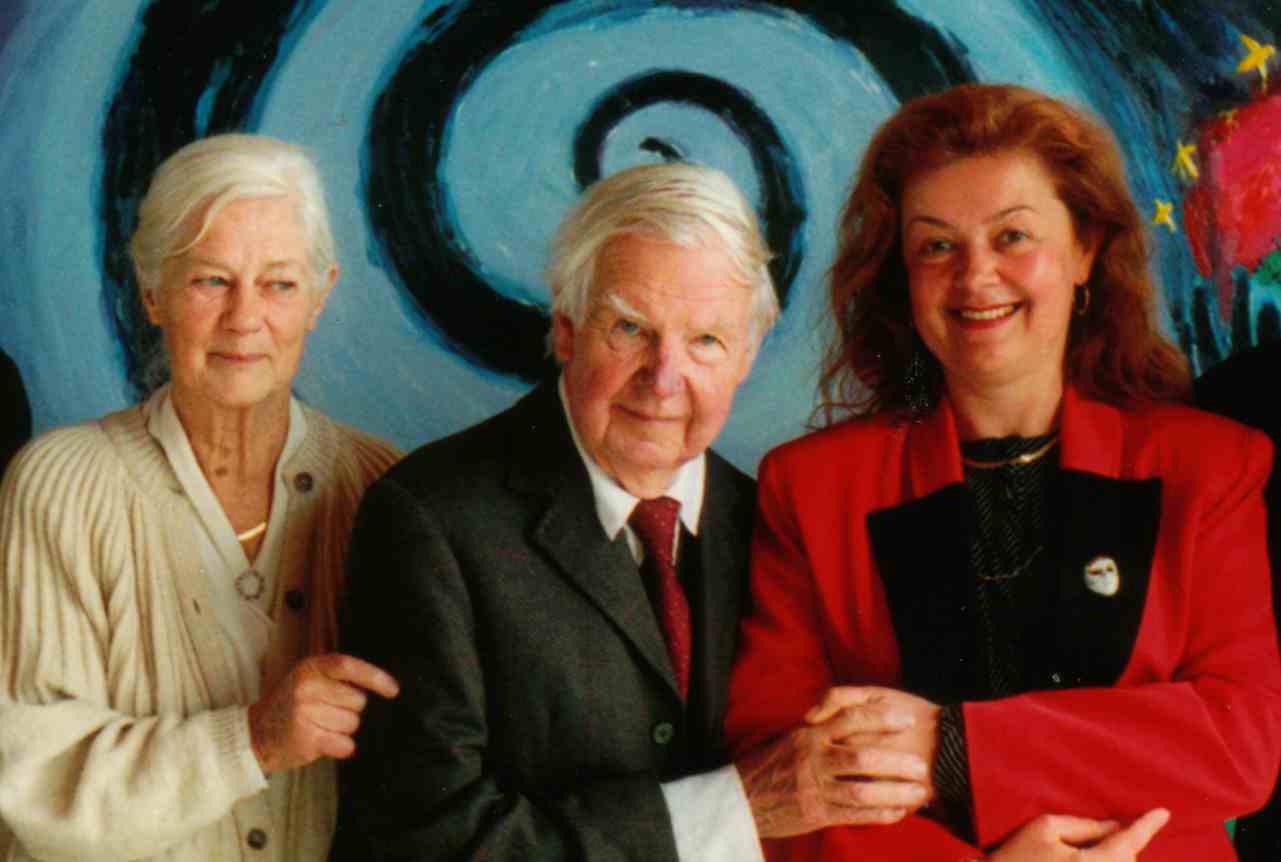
655, 524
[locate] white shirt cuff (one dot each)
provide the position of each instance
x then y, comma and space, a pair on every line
712, 819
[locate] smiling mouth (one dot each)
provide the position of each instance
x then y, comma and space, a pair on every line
987, 314
646, 417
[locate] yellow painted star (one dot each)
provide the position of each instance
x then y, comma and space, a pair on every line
1165, 215
1256, 58
1184, 163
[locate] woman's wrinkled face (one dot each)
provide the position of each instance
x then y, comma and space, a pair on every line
236, 307
993, 262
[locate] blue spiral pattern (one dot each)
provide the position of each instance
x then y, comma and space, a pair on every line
453, 136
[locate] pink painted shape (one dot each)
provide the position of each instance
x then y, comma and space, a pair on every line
1233, 215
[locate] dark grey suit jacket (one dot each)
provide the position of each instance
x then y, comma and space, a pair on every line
538, 710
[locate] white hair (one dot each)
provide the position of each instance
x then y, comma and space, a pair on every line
680, 203
192, 186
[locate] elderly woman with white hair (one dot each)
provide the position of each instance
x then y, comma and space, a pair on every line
170, 571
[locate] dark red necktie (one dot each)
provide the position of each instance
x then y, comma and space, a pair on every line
655, 524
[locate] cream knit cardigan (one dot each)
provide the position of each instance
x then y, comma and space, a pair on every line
123, 726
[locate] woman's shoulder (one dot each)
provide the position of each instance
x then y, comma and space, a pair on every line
1173, 422
348, 447
859, 434
1189, 440
88, 460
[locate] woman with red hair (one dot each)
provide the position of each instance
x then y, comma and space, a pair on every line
1010, 535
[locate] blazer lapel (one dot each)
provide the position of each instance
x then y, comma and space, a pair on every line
922, 552
921, 548
546, 465
1109, 521
923, 557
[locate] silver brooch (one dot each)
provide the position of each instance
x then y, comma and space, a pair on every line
249, 584
1102, 576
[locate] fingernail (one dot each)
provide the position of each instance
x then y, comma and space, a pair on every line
901, 719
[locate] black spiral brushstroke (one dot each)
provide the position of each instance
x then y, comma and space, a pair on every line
228, 49
223, 52
186, 49
782, 204
665, 150
407, 203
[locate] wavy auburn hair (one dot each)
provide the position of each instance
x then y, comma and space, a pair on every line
1116, 351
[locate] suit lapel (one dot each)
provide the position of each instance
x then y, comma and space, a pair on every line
716, 591
546, 466
1103, 517
922, 552
923, 556
1112, 520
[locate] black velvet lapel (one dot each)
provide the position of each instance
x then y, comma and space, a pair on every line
922, 552
1102, 517
547, 467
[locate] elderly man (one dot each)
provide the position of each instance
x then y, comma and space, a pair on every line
558, 589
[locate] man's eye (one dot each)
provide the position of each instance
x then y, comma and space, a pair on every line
626, 336
210, 281
283, 286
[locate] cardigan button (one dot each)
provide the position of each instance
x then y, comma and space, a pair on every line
296, 600
303, 482
257, 839
663, 733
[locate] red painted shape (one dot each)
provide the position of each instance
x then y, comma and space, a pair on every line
1233, 214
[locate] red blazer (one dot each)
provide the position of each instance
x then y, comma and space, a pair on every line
1165, 694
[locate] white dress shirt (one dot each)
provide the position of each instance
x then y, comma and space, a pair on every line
710, 813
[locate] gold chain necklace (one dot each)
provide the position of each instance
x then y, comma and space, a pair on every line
1022, 567
1026, 458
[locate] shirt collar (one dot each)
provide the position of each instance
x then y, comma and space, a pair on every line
166, 427
614, 504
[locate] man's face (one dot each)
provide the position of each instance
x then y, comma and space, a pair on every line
650, 376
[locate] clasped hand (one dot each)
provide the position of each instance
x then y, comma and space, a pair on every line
314, 711
864, 756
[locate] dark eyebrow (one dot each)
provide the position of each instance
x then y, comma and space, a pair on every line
995, 217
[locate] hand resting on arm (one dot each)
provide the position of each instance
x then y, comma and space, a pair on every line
314, 711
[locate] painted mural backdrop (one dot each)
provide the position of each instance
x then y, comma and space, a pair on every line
453, 137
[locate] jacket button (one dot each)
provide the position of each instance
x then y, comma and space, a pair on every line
295, 600
1056, 678
663, 733
303, 482
257, 839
